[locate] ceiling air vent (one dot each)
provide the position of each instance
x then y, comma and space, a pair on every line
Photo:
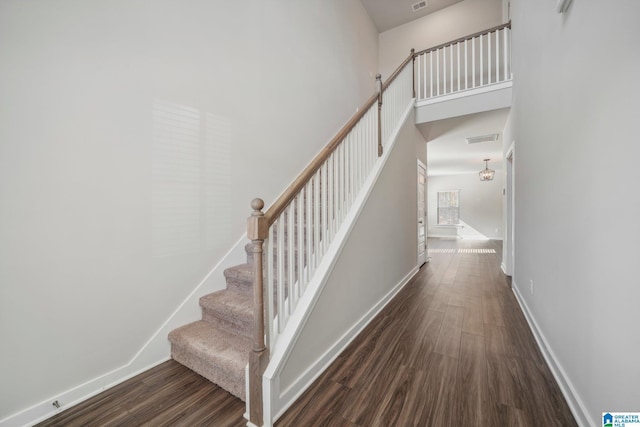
420, 5
483, 138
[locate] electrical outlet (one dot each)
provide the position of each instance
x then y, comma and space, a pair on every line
531, 286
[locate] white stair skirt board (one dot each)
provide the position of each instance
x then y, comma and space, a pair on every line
576, 405
154, 352
275, 400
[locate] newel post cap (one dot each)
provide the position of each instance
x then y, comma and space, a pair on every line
257, 205
257, 223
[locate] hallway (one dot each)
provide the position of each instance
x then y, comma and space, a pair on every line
452, 349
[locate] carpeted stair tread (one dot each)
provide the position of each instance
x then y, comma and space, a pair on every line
214, 353
229, 309
240, 277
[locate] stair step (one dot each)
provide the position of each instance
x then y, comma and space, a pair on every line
229, 310
240, 278
214, 353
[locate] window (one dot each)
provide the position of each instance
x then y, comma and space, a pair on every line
449, 207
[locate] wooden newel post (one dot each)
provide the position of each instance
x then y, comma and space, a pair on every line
379, 89
413, 70
257, 232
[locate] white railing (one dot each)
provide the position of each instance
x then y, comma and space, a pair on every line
291, 239
470, 62
394, 101
301, 234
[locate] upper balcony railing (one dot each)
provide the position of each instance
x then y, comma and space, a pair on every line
470, 62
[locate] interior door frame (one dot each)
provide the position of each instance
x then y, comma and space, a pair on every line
508, 253
422, 260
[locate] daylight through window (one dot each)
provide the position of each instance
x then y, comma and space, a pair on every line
449, 207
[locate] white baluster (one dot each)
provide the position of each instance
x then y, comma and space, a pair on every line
301, 279
497, 57
438, 72
340, 151
489, 61
282, 315
290, 257
418, 74
431, 74
481, 61
444, 70
451, 67
330, 184
324, 208
309, 245
506, 53
316, 220
473, 62
270, 289
466, 68
458, 45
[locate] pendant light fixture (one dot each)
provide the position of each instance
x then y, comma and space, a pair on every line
486, 174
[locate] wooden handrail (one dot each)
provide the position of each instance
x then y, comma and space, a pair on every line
395, 74
461, 39
258, 230
285, 198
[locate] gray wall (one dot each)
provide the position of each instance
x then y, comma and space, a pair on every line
133, 136
574, 122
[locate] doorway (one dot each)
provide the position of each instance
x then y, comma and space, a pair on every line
422, 217
509, 241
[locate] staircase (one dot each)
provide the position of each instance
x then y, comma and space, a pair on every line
292, 243
217, 347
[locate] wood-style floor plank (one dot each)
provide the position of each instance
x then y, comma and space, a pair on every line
167, 395
451, 349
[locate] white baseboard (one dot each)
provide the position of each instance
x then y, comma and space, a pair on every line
155, 351
503, 268
304, 381
74, 396
578, 409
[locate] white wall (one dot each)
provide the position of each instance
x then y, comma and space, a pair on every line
458, 20
480, 205
383, 246
133, 136
575, 123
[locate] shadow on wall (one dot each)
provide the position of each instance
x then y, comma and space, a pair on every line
191, 179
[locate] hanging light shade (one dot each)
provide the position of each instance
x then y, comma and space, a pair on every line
486, 174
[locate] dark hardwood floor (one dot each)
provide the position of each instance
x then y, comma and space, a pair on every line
452, 349
167, 395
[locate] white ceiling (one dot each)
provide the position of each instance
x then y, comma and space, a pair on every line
447, 150
387, 14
